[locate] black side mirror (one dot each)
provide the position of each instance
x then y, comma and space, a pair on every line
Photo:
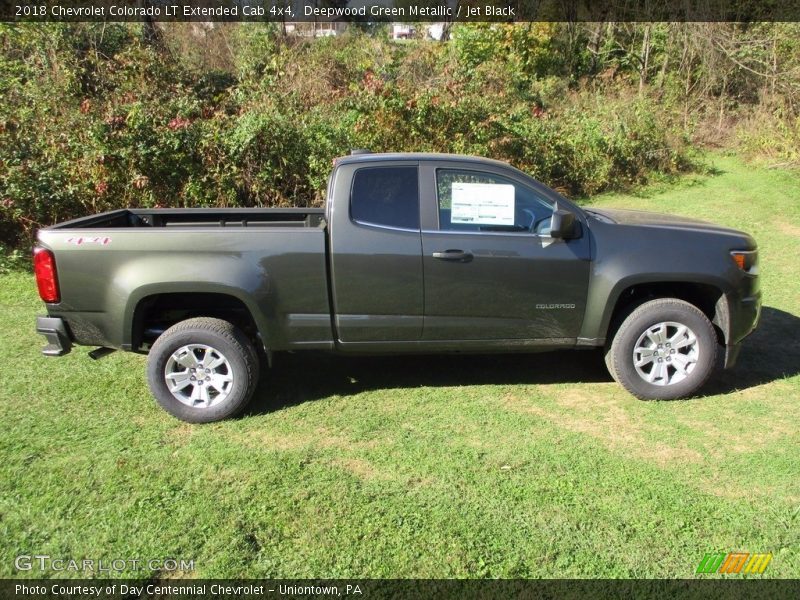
563, 225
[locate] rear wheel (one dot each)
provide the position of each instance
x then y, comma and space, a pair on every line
665, 349
202, 370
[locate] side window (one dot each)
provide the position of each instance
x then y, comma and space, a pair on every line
386, 196
480, 201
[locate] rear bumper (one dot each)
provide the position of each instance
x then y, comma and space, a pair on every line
55, 332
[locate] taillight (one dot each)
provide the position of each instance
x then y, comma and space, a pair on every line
44, 266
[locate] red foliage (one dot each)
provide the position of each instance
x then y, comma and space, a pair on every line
179, 123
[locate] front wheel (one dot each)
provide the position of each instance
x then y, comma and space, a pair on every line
202, 370
665, 349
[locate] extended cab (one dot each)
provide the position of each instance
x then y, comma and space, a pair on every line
412, 253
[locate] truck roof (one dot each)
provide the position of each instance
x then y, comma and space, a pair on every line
418, 156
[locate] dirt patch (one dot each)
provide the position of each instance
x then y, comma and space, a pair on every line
319, 438
368, 472
721, 435
609, 418
603, 417
179, 435
787, 228
361, 468
177, 574
271, 440
732, 489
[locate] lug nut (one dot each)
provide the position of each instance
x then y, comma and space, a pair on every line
193, 377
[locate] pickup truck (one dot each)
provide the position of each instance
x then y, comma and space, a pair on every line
419, 253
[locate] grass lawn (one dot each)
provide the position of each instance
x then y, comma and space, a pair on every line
501, 466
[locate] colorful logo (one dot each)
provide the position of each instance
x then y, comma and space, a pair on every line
734, 562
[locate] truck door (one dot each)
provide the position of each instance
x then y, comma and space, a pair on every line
376, 252
491, 270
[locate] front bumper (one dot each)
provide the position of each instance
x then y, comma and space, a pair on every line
745, 316
57, 335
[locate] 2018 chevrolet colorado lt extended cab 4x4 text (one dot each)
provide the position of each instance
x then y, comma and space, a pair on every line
412, 253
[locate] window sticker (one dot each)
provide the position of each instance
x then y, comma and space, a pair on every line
482, 204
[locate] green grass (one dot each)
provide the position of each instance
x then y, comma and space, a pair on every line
502, 466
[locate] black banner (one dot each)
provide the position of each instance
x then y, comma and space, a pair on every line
384, 11
181, 589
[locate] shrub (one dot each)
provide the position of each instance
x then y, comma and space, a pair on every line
96, 119
771, 136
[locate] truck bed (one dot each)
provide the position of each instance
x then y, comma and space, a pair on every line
113, 266
199, 217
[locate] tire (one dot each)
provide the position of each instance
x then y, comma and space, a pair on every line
653, 356
225, 374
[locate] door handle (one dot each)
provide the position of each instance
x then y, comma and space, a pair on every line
454, 255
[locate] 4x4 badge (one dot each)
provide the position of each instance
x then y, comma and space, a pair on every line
79, 241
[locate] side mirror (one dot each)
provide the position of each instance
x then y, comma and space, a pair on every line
563, 225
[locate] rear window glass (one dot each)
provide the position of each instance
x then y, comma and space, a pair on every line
386, 196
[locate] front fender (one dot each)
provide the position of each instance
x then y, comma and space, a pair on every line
604, 296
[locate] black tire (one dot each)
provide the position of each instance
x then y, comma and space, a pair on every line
701, 357
224, 340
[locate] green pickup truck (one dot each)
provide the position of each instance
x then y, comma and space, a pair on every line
420, 253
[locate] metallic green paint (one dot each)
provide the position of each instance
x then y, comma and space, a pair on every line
314, 279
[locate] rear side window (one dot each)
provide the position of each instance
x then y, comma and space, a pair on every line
386, 196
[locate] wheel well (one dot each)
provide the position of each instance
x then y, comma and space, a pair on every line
155, 314
703, 296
